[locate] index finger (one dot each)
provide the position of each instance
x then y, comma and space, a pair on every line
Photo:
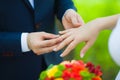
70, 47
51, 42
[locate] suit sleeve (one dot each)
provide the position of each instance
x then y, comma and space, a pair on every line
10, 42
61, 6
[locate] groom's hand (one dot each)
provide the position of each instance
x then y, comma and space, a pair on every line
72, 19
42, 42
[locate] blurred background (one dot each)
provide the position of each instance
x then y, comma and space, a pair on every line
98, 54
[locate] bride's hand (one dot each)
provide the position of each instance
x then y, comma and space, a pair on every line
74, 36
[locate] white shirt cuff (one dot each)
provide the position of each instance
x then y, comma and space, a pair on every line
24, 44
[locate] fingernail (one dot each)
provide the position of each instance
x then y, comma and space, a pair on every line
81, 55
61, 39
57, 35
61, 55
60, 32
55, 49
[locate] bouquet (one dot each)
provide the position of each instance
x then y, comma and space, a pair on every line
74, 70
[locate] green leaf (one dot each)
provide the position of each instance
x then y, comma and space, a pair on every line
85, 74
87, 79
58, 74
43, 75
50, 66
61, 67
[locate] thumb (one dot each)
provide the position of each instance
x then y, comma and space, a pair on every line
80, 20
75, 21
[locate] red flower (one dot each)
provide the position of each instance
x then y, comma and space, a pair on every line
96, 78
93, 69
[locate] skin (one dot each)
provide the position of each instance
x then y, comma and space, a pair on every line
87, 33
71, 19
42, 42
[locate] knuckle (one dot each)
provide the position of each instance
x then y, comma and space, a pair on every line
50, 43
43, 32
35, 45
47, 51
61, 45
37, 52
50, 49
54, 42
70, 47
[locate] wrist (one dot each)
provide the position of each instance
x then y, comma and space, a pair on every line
28, 40
99, 26
94, 25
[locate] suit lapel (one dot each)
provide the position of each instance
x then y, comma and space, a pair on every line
27, 4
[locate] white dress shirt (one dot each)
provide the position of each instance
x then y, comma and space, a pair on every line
32, 3
24, 44
114, 45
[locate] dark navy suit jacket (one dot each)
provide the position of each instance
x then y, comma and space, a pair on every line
16, 17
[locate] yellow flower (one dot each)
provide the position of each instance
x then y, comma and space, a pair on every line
51, 72
59, 79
